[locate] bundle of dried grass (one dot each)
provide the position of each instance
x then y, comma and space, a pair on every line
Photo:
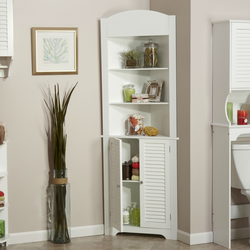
2, 134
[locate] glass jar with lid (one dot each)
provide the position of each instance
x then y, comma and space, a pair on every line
150, 54
128, 91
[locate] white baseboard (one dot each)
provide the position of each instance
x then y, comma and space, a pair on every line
194, 239
34, 236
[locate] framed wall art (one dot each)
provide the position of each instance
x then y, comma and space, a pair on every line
54, 51
153, 89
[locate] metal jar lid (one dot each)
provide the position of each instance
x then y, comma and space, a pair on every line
151, 44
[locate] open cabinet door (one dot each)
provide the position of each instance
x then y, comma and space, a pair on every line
155, 183
115, 165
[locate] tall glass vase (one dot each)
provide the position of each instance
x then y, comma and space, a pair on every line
60, 208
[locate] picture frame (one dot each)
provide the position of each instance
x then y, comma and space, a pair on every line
154, 89
54, 51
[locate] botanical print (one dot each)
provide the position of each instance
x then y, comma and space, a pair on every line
55, 50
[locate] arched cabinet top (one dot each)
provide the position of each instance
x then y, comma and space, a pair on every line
138, 23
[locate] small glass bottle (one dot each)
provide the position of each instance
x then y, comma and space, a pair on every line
230, 111
128, 91
150, 54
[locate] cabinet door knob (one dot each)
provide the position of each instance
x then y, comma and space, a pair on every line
141, 182
118, 185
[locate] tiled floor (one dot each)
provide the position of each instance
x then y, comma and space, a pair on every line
125, 242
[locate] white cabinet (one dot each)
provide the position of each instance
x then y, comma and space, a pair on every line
4, 188
151, 192
156, 192
231, 83
6, 36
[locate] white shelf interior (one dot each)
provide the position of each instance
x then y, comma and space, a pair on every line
119, 44
237, 97
117, 79
155, 115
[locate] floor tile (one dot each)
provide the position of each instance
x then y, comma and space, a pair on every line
125, 242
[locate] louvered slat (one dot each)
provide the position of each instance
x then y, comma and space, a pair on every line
155, 194
3, 25
242, 56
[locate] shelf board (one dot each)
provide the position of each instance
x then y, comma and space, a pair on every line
139, 69
234, 126
239, 126
133, 103
4, 239
130, 181
162, 137
3, 67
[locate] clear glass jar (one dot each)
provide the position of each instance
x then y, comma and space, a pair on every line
150, 54
135, 125
128, 91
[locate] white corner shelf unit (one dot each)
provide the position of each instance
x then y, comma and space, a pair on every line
6, 36
156, 192
4, 188
231, 83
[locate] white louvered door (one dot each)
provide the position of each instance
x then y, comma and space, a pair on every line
155, 186
115, 164
240, 52
6, 28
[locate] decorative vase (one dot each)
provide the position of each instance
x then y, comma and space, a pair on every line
60, 208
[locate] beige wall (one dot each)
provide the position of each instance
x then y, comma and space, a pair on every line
202, 14
182, 12
21, 107
196, 56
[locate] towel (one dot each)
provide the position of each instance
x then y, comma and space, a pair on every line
135, 178
135, 171
135, 165
135, 158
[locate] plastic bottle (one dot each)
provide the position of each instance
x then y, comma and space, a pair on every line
132, 213
137, 217
129, 211
125, 216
